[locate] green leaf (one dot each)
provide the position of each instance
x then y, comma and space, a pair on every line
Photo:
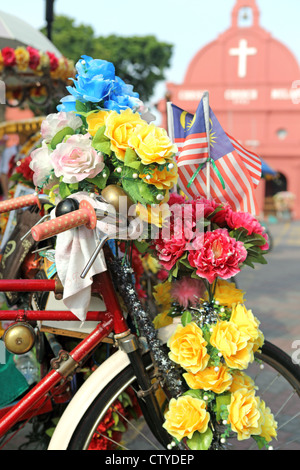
100, 180
141, 246
64, 190
59, 137
200, 441
130, 156
194, 393
100, 136
80, 107
186, 318
103, 147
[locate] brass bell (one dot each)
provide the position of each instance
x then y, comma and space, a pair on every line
19, 338
112, 194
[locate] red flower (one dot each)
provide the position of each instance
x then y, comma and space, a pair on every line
217, 254
23, 168
53, 61
34, 57
9, 58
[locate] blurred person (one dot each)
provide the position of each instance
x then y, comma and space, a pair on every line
11, 149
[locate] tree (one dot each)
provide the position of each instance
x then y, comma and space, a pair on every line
139, 60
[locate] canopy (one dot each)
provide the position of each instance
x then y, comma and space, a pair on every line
15, 32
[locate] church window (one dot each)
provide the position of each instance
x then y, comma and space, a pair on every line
245, 17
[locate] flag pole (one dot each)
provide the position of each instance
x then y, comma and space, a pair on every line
170, 123
207, 127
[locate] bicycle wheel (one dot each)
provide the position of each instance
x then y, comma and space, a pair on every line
274, 373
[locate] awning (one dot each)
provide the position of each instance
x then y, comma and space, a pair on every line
15, 32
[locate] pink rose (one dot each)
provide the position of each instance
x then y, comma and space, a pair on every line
55, 122
76, 159
169, 251
218, 256
41, 164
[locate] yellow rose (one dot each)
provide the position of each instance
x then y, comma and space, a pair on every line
185, 416
188, 348
269, 425
162, 293
120, 127
245, 321
215, 379
233, 344
245, 416
258, 343
241, 380
22, 58
152, 144
155, 214
227, 293
164, 179
96, 120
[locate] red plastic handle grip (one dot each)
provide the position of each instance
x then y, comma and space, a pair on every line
18, 202
85, 215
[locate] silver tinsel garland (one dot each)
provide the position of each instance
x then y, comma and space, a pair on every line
122, 277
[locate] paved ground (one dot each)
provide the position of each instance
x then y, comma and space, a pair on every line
273, 290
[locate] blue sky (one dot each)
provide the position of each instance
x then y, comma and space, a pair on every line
189, 25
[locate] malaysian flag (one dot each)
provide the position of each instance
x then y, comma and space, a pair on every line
233, 172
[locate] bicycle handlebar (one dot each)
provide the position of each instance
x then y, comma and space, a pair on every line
85, 215
19, 202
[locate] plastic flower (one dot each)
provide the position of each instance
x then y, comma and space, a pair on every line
218, 256
227, 293
22, 58
162, 179
41, 164
269, 425
55, 122
218, 380
76, 159
162, 293
245, 321
96, 120
162, 319
233, 344
241, 380
9, 58
94, 80
187, 291
245, 415
154, 214
185, 416
67, 104
188, 348
119, 128
122, 96
152, 144
34, 57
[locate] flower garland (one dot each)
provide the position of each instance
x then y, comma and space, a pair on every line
99, 137
102, 135
28, 59
217, 336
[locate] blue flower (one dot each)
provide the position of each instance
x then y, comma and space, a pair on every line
97, 83
68, 103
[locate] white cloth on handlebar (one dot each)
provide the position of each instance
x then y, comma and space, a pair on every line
73, 250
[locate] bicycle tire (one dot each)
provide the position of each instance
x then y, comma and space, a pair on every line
270, 356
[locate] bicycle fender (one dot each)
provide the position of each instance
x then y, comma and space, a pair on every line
72, 415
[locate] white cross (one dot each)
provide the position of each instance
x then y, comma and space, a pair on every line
243, 51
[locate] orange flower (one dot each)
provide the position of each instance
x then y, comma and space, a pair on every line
164, 179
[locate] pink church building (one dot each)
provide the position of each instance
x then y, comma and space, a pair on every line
253, 82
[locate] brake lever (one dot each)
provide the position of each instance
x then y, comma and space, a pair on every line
92, 259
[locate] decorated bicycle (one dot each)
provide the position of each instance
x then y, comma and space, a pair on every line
108, 170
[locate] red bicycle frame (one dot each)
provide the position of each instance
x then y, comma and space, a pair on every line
110, 320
